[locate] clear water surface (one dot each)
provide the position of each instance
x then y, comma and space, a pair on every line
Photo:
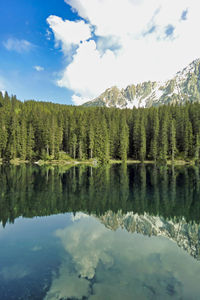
119, 232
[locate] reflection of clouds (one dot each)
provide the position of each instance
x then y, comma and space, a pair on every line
68, 285
36, 248
79, 216
14, 272
85, 245
122, 266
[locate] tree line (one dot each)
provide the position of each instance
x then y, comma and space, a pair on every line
34, 130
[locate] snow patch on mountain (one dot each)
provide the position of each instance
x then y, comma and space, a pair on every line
183, 87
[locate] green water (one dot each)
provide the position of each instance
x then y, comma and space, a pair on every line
119, 232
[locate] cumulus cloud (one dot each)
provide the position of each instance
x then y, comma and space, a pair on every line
120, 42
68, 33
16, 45
38, 68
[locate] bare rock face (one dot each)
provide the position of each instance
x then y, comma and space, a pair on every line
183, 87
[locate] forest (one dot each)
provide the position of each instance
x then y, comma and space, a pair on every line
34, 130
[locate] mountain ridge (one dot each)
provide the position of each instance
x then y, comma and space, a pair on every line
183, 87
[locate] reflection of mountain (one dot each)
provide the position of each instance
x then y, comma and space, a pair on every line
186, 235
104, 264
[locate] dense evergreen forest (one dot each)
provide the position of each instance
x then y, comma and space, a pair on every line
40, 130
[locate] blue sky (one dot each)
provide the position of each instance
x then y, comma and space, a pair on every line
25, 20
69, 51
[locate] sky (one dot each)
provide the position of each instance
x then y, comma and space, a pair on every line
70, 51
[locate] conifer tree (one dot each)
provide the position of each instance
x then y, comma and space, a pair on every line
73, 145
187, 139
23, 140
102, 140
123, 139
3, 136
91, 141
136, 135
30, 142
155, 134
173, 140
163, 140
142, 139
197, 148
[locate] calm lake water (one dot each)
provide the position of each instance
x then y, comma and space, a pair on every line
119, 232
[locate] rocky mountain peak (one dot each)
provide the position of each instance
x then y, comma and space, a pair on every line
183, 87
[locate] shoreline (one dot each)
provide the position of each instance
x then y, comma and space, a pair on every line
94, 162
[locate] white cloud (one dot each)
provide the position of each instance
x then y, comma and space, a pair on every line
125, 41
68, 33
38, 68
19, 46
48, 34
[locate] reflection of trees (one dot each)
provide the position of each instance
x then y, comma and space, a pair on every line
36, 191
173, 185
142, 197
164, 197
155, 196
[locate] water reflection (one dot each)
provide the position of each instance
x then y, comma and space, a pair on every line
132, 231
185, 234
32, 191
120, 265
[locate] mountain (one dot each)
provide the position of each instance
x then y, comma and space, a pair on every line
184, 86
185, 234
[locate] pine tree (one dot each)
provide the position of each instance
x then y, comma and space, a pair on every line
73, 145
101, 141
142, 139
173, 140
188, 139
154, 141
163, 140
3, 136
23, 140
30, 143
72, 138
11, 151
123, 139
136, 135
91, 140
197, 148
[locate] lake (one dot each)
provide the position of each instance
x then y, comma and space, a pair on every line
115, 232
